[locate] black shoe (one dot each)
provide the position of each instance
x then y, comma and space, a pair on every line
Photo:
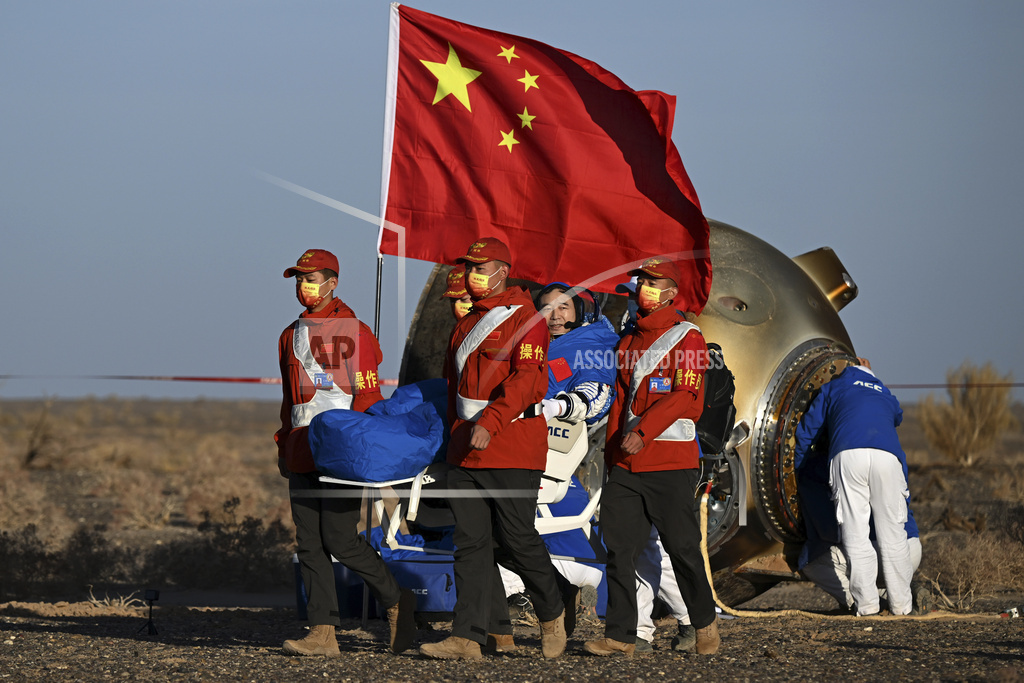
685, 639
571, 600
519, 606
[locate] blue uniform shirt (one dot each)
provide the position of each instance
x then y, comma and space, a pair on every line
583, 354
858, 411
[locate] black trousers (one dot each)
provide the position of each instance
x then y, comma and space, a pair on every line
497, 507
326, 526
630, 504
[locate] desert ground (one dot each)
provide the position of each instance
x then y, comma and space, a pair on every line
104, 498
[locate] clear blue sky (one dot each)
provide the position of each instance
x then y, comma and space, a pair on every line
136, 239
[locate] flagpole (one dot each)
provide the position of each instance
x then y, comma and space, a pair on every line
376, 307
368, 492
389, 109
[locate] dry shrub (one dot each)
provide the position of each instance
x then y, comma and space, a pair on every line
246, 553
977, 413
23, 502
1008, 485
917, 457
219, 474
117, 464
46, 442
117, 602
31, 568
143, 501
964, 567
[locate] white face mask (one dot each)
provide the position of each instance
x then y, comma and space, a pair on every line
309, 295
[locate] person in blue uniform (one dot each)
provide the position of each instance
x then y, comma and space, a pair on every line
868, 481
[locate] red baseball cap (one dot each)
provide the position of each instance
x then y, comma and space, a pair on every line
456, 284
658, 268
486, 249
312, 261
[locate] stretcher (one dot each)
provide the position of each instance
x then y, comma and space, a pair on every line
568, 448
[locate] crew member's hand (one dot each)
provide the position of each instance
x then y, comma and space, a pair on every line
553, 407
282, 467
632, 443
479, 438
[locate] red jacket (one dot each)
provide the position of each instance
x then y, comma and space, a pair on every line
683, 368
347, 349
509, 368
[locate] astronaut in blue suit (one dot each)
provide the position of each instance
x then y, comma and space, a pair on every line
581, 357
868, 480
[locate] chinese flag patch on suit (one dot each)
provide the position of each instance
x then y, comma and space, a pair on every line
488, 133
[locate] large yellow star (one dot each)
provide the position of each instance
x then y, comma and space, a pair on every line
526, 119
508, 53
528, 81
508, 139
452, 78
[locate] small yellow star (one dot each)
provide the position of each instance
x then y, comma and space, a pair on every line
508, 53
508, 139
452, 78
528, 81
526, 119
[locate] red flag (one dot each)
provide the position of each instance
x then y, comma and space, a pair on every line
490, 134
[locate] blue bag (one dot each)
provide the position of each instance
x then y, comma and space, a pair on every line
394, 439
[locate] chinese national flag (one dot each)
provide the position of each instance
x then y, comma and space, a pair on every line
490, 134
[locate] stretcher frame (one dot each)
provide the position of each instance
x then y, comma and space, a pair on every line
568, 445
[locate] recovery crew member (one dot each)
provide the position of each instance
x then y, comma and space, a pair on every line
329, 361
496, 377
456, 292
652, 459
868, 477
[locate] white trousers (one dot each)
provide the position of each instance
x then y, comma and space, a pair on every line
868, 486
831, 572
655, 578
577, 573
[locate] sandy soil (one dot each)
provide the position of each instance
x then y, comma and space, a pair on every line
79, 641
225, 634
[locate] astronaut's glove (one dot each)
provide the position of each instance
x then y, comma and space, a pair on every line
553, 407
576, 406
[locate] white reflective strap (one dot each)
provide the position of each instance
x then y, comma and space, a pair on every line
682, 429
323, 399
483, 327
656, 353
469, 409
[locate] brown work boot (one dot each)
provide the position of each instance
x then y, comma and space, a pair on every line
500, 642
607, 646
452, 647
552, 637
707, 639
402, 620
319, 641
